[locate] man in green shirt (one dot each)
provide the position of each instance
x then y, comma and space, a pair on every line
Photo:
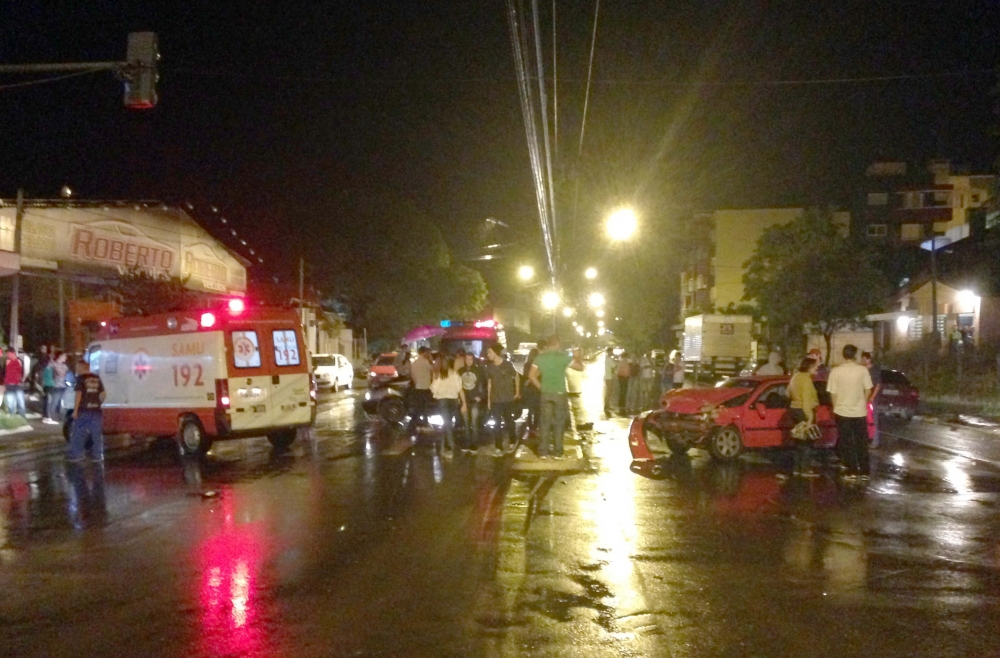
548, 373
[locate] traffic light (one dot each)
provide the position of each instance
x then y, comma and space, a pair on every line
140, 71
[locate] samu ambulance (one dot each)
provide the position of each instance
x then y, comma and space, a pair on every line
208, 375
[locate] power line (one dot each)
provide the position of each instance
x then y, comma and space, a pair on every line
590, 71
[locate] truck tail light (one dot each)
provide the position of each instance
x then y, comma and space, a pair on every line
222, 393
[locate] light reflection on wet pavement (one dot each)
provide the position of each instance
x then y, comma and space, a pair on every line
357, 543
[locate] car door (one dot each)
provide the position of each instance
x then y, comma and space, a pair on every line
768, 421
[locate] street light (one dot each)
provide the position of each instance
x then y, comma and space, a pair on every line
596, 300
590, 273
621, 224
600, 323
567, 312
526, 272
550, 300
600, 313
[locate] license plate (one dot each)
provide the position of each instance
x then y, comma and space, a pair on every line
258, 408
889, 391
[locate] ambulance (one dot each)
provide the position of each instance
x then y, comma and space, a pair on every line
206, 375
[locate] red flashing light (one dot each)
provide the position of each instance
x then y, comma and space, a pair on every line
236, 306
486, 324
207, 320
104, 324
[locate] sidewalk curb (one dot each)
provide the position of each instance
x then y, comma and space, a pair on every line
17, 430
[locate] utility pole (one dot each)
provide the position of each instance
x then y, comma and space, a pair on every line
934, 304
302, 284
15, 291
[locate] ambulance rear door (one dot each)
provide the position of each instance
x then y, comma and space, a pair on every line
290, 384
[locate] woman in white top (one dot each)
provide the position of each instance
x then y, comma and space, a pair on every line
446, 387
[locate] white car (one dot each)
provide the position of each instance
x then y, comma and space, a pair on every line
332, 371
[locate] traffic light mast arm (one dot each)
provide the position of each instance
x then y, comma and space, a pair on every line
70, 66
138, 71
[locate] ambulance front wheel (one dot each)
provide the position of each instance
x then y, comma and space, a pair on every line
281, 440
193, 440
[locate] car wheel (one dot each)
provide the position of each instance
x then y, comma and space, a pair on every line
726, 444
281, 440
392, 410
678, 448
192, 438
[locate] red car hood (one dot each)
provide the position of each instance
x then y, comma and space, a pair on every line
695, 400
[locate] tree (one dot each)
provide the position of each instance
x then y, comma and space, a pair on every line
395, 275
805, 273
142, 293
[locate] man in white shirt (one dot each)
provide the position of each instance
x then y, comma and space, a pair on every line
849, 386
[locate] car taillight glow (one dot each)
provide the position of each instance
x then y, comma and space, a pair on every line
222, 393
207, 320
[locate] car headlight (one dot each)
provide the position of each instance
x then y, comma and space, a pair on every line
437, 420
368, 395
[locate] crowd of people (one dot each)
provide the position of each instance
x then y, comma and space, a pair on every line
467, 394
632, 385
50, 374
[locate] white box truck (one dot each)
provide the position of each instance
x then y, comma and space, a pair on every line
718, 344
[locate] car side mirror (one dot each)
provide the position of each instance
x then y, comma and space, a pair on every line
761, 410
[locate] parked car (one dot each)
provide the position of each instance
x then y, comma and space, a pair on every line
332, 371
897, 397
740, 414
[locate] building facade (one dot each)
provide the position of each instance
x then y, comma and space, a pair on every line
902, 205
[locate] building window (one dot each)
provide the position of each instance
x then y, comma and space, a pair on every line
916, 328
911, 232
878, 198
975, 198
877, 230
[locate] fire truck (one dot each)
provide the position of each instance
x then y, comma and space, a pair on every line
206, 375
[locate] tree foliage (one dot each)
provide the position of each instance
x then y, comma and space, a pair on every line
142, 293
393, 276
805, 273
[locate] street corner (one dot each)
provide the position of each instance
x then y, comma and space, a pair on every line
526, 459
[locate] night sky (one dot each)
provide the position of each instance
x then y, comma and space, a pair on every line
301, 121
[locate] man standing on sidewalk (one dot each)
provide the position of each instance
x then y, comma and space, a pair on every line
551, 366
503, 388
13, 382
88, 420
849, 386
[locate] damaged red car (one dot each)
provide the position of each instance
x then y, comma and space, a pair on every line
740, 414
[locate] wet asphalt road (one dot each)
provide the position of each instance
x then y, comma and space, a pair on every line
352, 544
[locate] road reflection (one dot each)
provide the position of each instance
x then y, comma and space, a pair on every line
230, 557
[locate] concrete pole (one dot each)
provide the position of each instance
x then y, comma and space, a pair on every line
15, 293
934, 304
62, 314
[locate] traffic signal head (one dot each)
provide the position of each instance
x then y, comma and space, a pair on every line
140, 71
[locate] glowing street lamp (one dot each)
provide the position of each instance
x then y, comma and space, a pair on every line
599, 313
550, 300
526, 272
596, 300
567, 312
600, 323
590, 273
621, 224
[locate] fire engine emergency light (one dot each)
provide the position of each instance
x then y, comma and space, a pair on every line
237, 306
207, 320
